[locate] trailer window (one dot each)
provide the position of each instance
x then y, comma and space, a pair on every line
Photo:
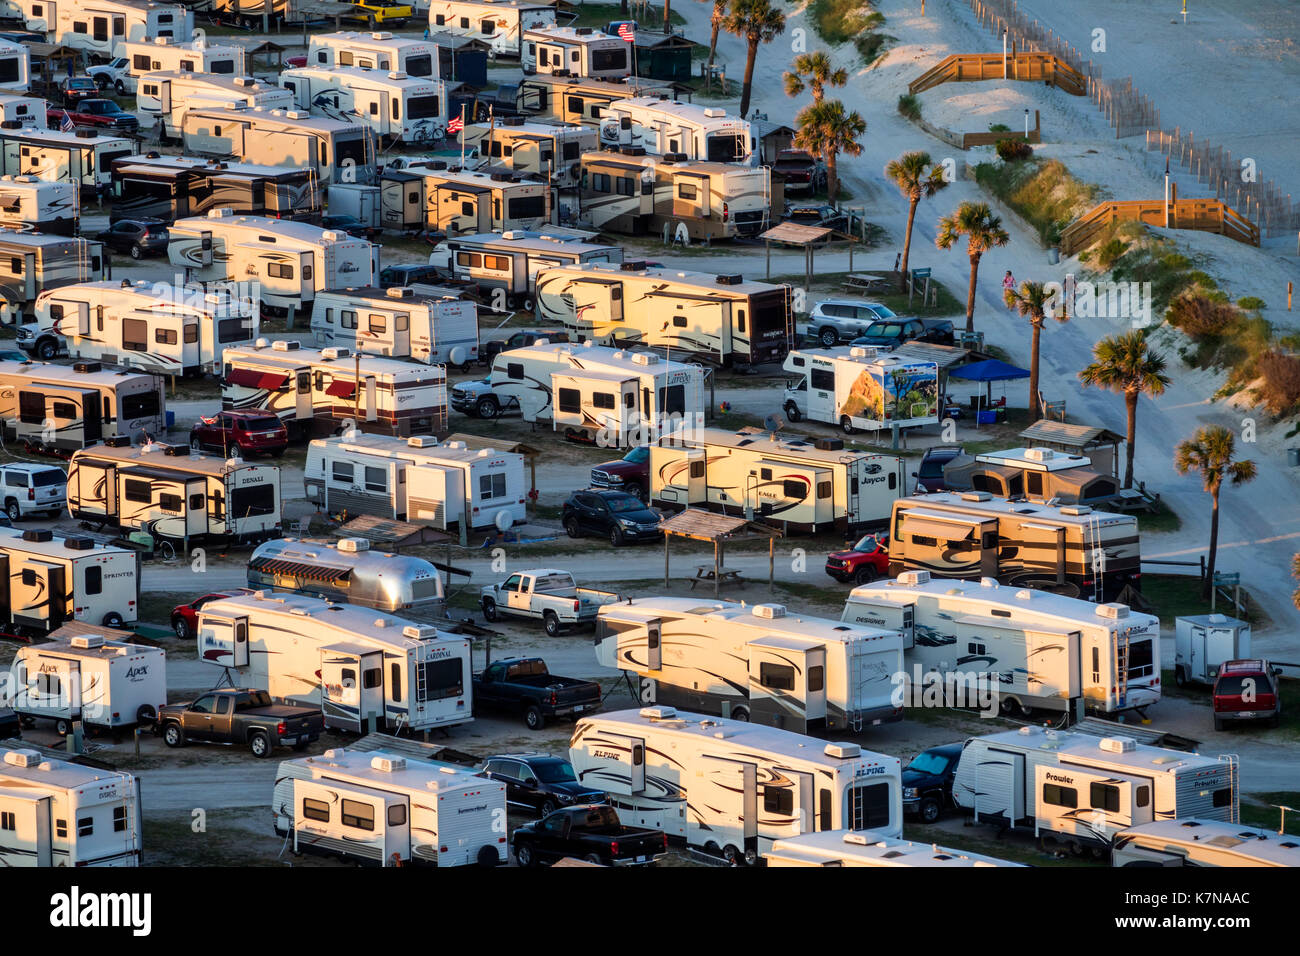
816, 678
1143, 796
164, 336
615, 59
61, 829
140, 63
776, 676
358, 815
697, 469
251, 502
85, 826
1103, 796
488, 26
65, 410
191, 333
135, 335
397, 683
342, 471
679, 321
1141, 660
600, 182
378, 323
7, 821
868, 806
197, 501
397, 815
144, 405
825, 819
171, 503
279, 270
778, 800
1222, 798
491, 486
443, 679
822, 379
823, 489
924, 541
119, 819
421, 107
687, 191
347, 319
315, 810
138, 491
419, 65
16, 265
626, 186
470, 260
1058, 796
527, 207
376, 480
793, 488
236, 330
603, 400
94, 579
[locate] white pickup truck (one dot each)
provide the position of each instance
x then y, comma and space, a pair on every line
547, 595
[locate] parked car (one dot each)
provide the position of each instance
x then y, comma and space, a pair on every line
541, 782
74, 89
616, 515
33, 489
929, 476
185, 617
11, 724
519, 340
240, 716
867, 560
94, 114
296, 62
1247, 690
111, 74
894, 332
349, 224
22, 36
927, 782
823, 214
546, 595
409, 275
631, 473
136, 237
802, 171
380, 11
592, 833
251, 433
832, 321
523, 685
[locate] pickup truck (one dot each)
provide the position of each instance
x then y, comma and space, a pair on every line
525, 686
592, 833
544, 594
233, 716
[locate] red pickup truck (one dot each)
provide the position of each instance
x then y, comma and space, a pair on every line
861, 564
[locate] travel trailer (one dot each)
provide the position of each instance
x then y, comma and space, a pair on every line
305, 650
568, 99
19, 111
400, 322
1083, 789
15, 67
417, 480
1072, 550
1202, 843
168, 188
83, 402
789, 481
165, 55
325, 391
28, 203
172, 492
1036, 650
88, 673
662, 127
334, 151
510, 261
34, 262
847, 848
1036, 474
57, 579
411, 55
862, 389
576, 51
455, 201
290, 261
760, 664
38, 792
545, 151
1205, 642
731, 788
102, 27
81, 157
166, 96
397, 106
636, 194
383, 809
720, 319
500, 23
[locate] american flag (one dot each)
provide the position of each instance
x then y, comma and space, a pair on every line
66, 123
455, 125
627, 31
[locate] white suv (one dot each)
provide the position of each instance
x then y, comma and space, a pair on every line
33, 489
841, 320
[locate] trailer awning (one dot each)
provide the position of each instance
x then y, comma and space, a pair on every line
297, 569
341, 388
252, 378
950, 528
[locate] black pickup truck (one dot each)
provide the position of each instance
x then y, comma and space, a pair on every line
592, 833
233, 716
523, 685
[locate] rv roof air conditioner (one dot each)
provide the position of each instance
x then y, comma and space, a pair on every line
400, 292
769, 612
396, 75
1113, 610
295, 114
976, 496
843, 750
353, 545
658, 713
22, 758
913, 578
456, 445
86, 368
87, 641
330, 355
422, 441
1038, 454
387, 764
1076, 510
280, 345
225, 212
78, 542
381, 36
730, 278
645, 358
1117, 745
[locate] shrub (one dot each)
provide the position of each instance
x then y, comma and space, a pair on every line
1110, 252
909, 106
1203, 279
1251, 303
1200, 316
1014, 150
999, 128
1280, 388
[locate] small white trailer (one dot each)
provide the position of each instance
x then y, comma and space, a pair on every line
163, 54
82, 157
862, 388
397, 106
1202, 843
499, 23
434, 327
54, 580
510, 261
847, 848
374, 51
571, 99
167, 95
19, 111
29, 204
576, 51
550, 152
1204, 642
383, 809
36, 262
85, 404
662, 126
15, 67
456, 201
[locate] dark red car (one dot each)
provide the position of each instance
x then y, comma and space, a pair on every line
867, 560
94, 113
631, 473
250, 433
1247, 690
185, 617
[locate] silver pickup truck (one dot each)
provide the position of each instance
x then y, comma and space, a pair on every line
547, 595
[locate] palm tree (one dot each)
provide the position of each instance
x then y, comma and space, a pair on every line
1295, 573
814, 72
1125, 364
983, 231
909, 173
716, 18
755, 22
827, 129
1033, 301
668, 10
1210, 451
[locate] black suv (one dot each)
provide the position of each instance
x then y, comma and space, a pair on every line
520, 340
612, 514
927, 782
890, 333
402, 275
539, 781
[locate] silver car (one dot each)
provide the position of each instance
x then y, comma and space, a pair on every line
833, 321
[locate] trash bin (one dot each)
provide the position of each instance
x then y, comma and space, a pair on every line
1053, 255
171, 420
1293, 457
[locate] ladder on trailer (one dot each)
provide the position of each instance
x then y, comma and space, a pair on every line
1234, 785
1121, 668
1095, 557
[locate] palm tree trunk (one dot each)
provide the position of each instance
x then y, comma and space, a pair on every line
713, 40
668, 24
1208, 583
750, 57
1035, 412
1131, 404
907, 242
970, 293
832, 175
623, 7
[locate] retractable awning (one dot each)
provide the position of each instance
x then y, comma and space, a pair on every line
937, 525
297, 569
341, 388
252, 378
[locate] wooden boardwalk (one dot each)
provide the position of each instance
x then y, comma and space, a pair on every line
1207, 215
1024, 66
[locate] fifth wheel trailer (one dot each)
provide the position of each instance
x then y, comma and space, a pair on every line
81, 157
424, 323
84, 403
54, 580
34, 262
847, 848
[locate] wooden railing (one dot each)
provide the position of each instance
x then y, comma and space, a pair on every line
1207, 215
1026, 66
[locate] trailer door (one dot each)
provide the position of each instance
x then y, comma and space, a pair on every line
195, 507
999, 785
636, 764
39, 596
341, 680
25, 840
94, 489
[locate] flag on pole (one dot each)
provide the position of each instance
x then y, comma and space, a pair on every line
66, 124
627, 31
455, 125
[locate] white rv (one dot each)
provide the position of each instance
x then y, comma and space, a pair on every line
662, 127
761, 664
731, 788
544, 151
399, 322
53, 580
172, 492
568, 99
1203, 643
1034, 648
84, 403
365, 669
374, 51
138, 57
28, 203
32, 262
81, 157
19, 111
788, 480
39, 795
166, 96
15, 67
862, 388
101, 27
847, 848
168, 188
86, 673
398, 107
326, 391
1202, 843
456, 201
383, 809
1084, 789
510, 261
499, 23
417, 480
576, 51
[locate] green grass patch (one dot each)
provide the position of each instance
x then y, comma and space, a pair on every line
842, 21
1177, 595
1042, 192
1260, 810
909, 106
1161, 520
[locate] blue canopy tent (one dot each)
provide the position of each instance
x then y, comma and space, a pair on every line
988, 372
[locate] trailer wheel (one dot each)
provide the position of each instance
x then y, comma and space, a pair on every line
733, 856
828, 337
846, 425
930, 810
146, 715
1218, 723
741, 714
112, 619
1180, 676
1010, 707
551, 621
489, 609
259, 744
524, 856
594, 858
487, 856
534, 719
63, 727
792, 412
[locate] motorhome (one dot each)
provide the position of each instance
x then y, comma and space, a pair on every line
1205, 642
384, 809
20, 111
148, 327
790, 481
324, 391
1072, 550
568, 99
636, 194
1039, 474
28, 203
720, 319
88, 673
38, 793
731, 788
576, 51
455, 201
15, 67
290, 261
847, 848
335, 151
400, 322
500, 23
34, 262
411, 55
168, 188
101, 27
1035, 649
60, 408
169, 491
397, 106
365, 669
1202, 843
510, 261
81, 157
862, 389
167, 55
57, 579
417, 480
166, 96
759, 663
662, 127
1083, 789
545, 151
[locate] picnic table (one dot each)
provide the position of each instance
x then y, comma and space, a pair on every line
704, 575
866, 282
1130, 500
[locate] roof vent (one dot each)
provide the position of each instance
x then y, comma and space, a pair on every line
658, 713
38, 535
1076, 510
730, 278
829, 444
976, 496
988, 582
118, 441
78, 542
87, 367
843, 750
87, 641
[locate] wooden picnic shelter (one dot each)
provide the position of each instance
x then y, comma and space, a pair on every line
696, 524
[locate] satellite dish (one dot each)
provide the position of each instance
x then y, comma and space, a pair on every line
503, 521
773, 423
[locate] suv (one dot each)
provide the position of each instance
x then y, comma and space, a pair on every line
1247, 690
631, 473
521, 340
927, 782
250, 432
837, 320
802, 171
612, 514
893, 333
539, 781
929, 476
867, 560
114, 74
405, 275
33, 489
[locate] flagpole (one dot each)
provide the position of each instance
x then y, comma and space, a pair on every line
461, 133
